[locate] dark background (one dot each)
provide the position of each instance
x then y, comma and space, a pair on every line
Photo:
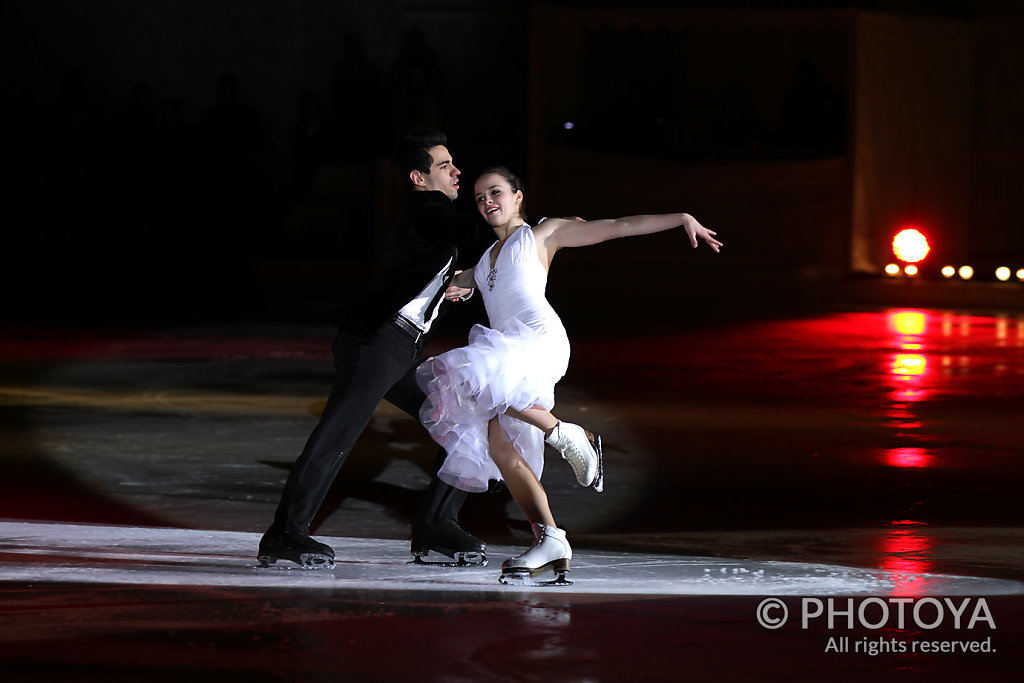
226, 160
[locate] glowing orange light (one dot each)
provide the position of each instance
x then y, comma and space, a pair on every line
966, 272
910, 270
948, 271
910, 245
892, 269
1002, 273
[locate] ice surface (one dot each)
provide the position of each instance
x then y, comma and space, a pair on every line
53, 552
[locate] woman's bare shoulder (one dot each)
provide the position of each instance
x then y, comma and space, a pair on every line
546, 226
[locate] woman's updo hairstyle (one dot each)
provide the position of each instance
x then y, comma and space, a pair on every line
513, 181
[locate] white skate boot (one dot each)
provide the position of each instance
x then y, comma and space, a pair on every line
550, 551
582, 450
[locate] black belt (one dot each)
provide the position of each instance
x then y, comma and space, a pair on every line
407, 327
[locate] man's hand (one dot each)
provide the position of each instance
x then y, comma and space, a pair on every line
454, 293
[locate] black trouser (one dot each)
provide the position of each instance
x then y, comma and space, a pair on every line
366, 370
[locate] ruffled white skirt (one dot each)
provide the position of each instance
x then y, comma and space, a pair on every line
466, 387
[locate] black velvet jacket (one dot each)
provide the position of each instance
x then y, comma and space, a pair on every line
426, 234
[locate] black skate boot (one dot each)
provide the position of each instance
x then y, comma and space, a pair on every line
448, 538
299, 548
436, 526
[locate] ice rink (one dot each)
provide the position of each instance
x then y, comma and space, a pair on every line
858, 461
138, 556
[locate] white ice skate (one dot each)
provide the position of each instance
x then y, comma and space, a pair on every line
551, 551
582, 450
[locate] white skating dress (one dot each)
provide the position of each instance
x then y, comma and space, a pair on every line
514, 363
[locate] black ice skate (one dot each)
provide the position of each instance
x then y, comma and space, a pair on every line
447, 538
299, 548
551, 551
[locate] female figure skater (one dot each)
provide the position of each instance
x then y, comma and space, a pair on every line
488, 403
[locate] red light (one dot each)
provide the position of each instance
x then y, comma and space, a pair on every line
907, 457
910, 245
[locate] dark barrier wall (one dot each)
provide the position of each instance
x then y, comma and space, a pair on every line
204, 133
240, 148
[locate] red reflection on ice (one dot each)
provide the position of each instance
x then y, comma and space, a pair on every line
906, 550
908, 322
909, 373
911, 394
909, 370
907, 457
909, 364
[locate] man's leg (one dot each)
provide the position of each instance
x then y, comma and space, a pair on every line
365, 371
436, 524
440, 500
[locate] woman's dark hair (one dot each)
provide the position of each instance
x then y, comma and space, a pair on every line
513, 180
412, 153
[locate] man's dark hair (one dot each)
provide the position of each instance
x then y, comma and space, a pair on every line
413, 155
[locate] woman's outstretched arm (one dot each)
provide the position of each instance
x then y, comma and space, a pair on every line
559, 232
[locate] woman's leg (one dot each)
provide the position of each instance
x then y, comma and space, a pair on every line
580, 448
538, 416
522, 483
550, 549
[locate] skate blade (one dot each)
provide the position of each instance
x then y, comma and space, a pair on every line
306, 561
599, 480
526, 579
467, 559
595, 442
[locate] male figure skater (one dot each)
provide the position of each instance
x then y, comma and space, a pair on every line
376, 354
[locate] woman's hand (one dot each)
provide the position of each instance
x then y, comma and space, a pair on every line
695, 230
